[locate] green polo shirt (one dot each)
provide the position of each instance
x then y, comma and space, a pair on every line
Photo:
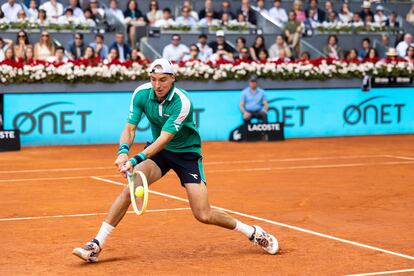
173, 115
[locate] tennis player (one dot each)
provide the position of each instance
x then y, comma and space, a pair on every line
176, 146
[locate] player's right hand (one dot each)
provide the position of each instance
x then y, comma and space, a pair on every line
246, 115
121, 160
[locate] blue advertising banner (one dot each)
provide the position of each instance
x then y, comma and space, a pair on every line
94, 118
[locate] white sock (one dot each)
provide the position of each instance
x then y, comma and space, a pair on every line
104, 232
244, 228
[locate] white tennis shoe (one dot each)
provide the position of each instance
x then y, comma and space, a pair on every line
266, 241
89, 252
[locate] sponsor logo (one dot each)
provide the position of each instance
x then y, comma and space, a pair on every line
237, 135
194, 175
290, 114
7, 135
369, 112
43, 119
263, 127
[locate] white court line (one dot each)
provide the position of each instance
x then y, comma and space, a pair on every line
276, 223
217, 163
88, 215
383, 272
400, 157
233, 170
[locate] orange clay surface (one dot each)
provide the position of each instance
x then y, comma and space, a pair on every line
360, 189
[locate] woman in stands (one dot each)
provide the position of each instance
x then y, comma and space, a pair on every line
42, 18
332, 49
113, 57
133, 16
136, 57
154, 13
90, 58
22, 41
10, 58
298, 9
193, 56
372, 56
263, 56
259, 44
45, 47
352, 56
410, 54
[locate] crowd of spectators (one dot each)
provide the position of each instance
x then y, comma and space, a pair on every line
220, 51
22, 51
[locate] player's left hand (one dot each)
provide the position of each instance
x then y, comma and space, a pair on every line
128, 167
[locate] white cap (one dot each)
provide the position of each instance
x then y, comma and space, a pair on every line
220, 33
165, 64
380, 8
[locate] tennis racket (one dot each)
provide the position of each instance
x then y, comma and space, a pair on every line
138, 190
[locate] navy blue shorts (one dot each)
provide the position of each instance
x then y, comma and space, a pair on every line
187, 165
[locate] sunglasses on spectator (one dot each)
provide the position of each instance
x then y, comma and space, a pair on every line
21, 35
45, 35
176, 39
194, 50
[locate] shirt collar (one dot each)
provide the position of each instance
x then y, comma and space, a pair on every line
169, 97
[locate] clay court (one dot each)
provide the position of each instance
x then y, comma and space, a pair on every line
338, 206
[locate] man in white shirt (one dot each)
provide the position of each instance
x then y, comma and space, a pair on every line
186, 19
115, 11
53, 8
165, 20
11, 9
278, 13
77, 12
205, 50
175, 51
403, 45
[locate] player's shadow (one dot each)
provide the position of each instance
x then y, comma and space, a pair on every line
108, 260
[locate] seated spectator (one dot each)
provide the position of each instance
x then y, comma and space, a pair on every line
392, 56
329, 7
368, 20
244, 56
304, 57
240, 43
372, 56
259, 43
89, 18
59, 58
278, 13
224, 20
410, 15
332, 18
165, 20
137, 56
29, 57
77, 11
263, 56
282, 57
385, 42
115, 11
280, 44
53, 9
345, 15
366, 10
298, 9
10, 10
113, 57
318, 14
204, 50
42, 18
45, 47
154, 13
208, 20
226, 9
356, 19
404, 44
208, 7
124, 51
332, 50
261, 7
392, 21
133, 17
293, 31
352, 56
366, 45
221, 56
76, 47
33, 12
68, 18
22, 42
97, 12
309, 24
220, 40
5, 43
241, 18
21, 16
185, 19
175, 51
90, 58
99, 47
247, 11
379, 16
193, 13
194, 54
10, 58
253, 102
409, 56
